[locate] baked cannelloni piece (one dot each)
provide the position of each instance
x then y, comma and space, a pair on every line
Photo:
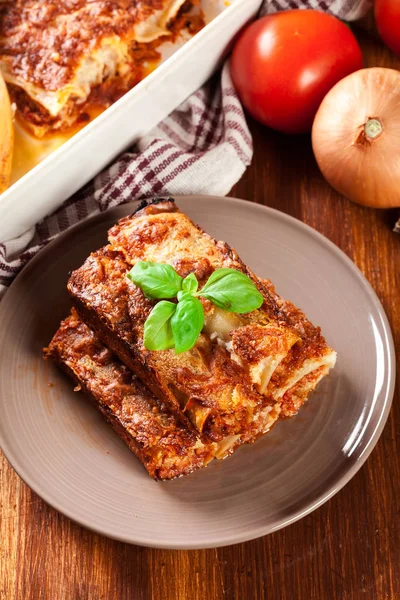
161, 443
243, 371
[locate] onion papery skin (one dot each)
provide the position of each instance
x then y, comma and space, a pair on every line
364, 169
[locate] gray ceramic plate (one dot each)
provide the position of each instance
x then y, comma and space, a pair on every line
64, 451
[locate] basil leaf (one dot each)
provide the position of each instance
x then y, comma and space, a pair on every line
182, 295
187, 323
232, 291
156, 280
190, 283
157, 328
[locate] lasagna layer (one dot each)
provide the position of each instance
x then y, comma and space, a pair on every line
231, 383
58, 56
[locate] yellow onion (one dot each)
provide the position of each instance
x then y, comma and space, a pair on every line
6, 137
356, 137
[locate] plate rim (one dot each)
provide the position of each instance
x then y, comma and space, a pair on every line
299, 513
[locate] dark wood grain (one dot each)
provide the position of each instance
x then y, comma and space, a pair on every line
349, 549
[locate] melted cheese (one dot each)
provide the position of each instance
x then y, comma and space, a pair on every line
220, 323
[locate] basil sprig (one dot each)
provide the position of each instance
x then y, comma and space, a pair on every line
178, 326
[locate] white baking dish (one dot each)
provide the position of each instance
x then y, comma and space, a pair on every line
47, 185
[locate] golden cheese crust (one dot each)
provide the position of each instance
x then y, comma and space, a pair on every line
165, 448
44, 41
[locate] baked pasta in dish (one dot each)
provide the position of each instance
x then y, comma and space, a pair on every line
61, 58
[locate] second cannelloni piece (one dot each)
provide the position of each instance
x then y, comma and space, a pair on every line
162, 444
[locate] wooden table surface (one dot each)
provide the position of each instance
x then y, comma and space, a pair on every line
349, 549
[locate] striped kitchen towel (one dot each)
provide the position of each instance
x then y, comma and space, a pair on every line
349, 10
203, 147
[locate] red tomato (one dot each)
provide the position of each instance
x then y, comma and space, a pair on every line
284, 64
387, 16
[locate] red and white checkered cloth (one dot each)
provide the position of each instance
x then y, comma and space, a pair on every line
203, 147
